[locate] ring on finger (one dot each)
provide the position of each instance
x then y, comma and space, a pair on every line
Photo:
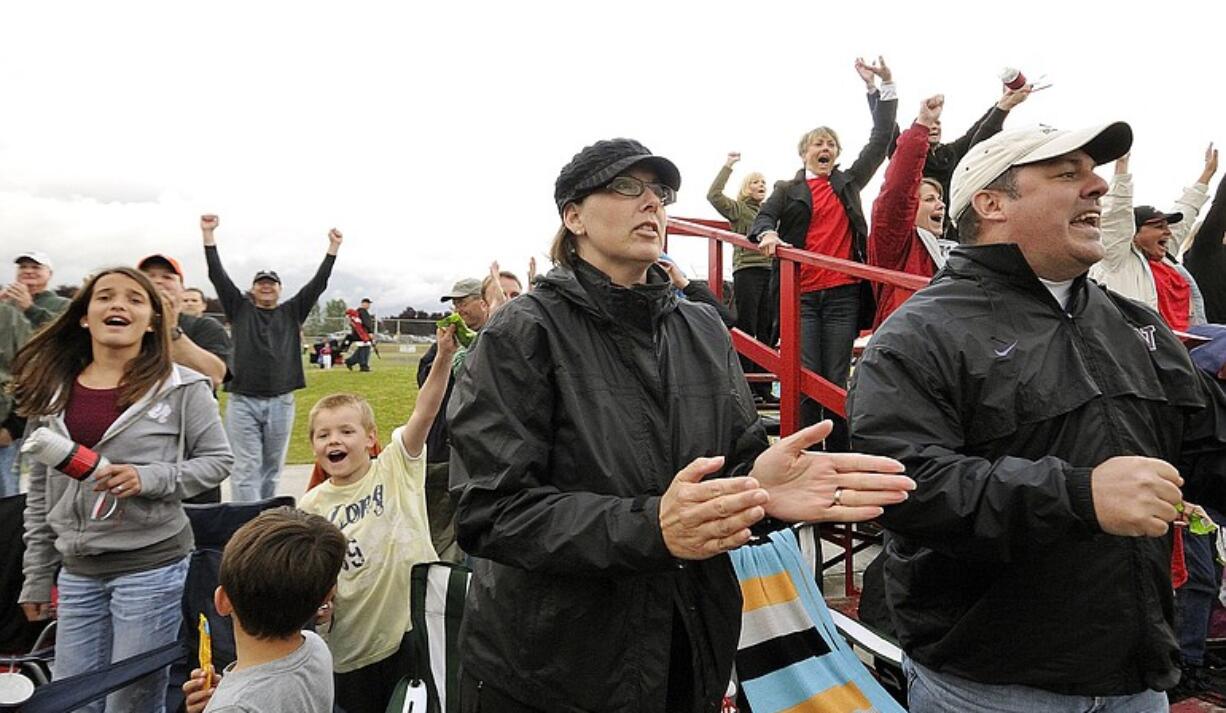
838, 496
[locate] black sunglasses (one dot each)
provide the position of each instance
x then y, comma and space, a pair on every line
632, 187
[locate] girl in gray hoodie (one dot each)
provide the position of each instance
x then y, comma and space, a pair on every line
102, 376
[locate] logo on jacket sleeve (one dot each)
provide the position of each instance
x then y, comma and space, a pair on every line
160, 412
1147, 335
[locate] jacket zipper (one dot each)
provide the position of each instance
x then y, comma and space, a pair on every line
1113, 434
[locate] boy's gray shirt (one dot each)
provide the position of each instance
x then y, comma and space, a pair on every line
147, 436
298, 683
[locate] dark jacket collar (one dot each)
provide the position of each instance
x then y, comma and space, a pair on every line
639, 306
1005, 262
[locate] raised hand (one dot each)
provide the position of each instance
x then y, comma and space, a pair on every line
1013, 97
882, 70
866, 73
808, 486
18, 294
1121, 164
930, 110
1210, 164
700, 520
209, 222
733, 157
335, 238
447, 344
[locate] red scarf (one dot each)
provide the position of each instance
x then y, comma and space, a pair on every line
1174, 295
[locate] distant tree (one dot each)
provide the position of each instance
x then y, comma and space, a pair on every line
314, 322
212, 305
335, 308
68, 291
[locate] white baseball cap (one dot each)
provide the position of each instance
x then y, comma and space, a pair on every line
35, 256
987, 160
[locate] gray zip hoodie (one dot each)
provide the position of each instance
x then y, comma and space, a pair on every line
146, 435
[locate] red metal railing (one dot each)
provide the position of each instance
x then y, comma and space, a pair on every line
794, 380
784, 362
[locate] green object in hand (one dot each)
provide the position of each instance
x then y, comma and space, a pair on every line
463, 334
1197, 525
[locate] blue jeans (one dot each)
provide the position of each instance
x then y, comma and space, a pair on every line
827, 333
259, 430
360, 357
932, 692
106, 620
10, 469
1194, 600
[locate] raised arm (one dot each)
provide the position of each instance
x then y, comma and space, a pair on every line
766, 224
430, 396
1192, 200
727, 207
1117, 223
1212, 233
990, 123
884, 110
311, 291
895, 207
227, 292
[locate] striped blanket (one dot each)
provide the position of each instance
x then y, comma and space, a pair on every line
791, 658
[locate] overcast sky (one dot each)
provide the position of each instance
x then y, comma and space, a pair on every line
431, 133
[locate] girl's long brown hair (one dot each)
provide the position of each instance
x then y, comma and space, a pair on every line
45, 368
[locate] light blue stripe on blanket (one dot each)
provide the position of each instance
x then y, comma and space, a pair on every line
782, 689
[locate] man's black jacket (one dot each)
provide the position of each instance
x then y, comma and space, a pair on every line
1000, 404
569, 419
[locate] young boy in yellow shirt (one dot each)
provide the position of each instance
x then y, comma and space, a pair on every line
380, 507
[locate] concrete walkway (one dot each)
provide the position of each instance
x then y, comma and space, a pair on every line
293, 482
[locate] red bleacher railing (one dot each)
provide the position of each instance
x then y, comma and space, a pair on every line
795, 381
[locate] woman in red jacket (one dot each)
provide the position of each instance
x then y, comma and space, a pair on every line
908, 213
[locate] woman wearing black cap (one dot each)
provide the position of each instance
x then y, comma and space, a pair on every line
583, 425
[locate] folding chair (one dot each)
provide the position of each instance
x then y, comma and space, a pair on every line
437, 608
17, 635
212, 526
26, 648
73, 692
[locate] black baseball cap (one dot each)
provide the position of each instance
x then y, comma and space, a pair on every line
266, 275
1142, 214
596, 165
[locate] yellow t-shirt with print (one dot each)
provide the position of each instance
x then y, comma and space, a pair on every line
383, 516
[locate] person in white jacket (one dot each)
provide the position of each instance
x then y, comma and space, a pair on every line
1125, 268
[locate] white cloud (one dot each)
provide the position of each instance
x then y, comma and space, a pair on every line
431, 133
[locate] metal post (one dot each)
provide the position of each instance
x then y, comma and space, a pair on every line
789, 347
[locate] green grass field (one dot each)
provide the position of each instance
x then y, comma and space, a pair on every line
390, 387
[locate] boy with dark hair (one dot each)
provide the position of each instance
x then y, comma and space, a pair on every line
277, 572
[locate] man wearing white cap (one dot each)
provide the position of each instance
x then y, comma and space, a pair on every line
1047, 422
27, 305
29, 292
